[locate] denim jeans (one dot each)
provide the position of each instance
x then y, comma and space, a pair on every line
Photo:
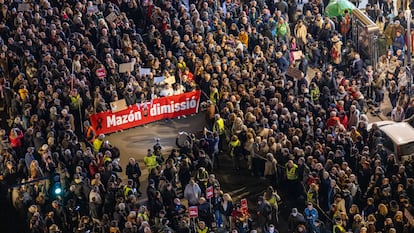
219, 219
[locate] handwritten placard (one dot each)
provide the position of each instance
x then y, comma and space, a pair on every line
111, 17
92, 9
118, 105
23, 7
144, 71
159, 80
126, 67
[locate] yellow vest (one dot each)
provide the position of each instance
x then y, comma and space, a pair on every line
309, 196
107, 159
315, 94
151, 161
75, 100
341, 228
97, 145
219, 126
273, 201
205, 230
202, 176
291, 173
127, 189
233, 145
143, 216
214, 97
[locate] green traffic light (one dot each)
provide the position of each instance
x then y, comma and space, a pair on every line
58, 190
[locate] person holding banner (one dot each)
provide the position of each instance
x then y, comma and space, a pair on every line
90, 133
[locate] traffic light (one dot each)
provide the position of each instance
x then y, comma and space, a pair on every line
57, 187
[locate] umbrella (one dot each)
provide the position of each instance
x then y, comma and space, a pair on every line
337, 7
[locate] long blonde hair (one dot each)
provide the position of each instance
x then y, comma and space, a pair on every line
382, 209
35, 170
227, 197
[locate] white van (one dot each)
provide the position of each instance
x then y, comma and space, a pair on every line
398, 138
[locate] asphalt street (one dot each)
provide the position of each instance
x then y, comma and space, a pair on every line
136, 141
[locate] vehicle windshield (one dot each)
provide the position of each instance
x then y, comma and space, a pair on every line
407, 149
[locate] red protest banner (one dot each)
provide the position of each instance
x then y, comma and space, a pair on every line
209, 192
101, 73
193, 211
140, 114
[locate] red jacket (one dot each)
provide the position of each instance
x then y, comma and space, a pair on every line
16, 141
344, 121
332, 121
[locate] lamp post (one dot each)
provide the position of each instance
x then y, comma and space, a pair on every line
408, 19
408, 64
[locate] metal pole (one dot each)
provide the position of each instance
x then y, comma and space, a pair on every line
408, 65
408, 17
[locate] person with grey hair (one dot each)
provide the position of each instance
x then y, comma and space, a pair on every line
295, 219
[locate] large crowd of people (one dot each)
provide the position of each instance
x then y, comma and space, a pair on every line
61, 61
